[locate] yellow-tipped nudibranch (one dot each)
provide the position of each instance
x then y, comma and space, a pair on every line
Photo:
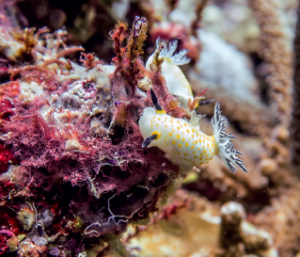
184, 144
176, 81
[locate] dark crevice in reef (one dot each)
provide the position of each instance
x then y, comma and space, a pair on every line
256, 200
253, 203
261, 72
204, 187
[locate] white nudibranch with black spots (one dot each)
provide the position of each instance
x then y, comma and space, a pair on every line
184, 144
176, 81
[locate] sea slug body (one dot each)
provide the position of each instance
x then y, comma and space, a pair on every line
184, 144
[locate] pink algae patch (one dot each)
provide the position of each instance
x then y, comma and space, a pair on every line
6, 158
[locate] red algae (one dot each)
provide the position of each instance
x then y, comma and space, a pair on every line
6, 158
72, 165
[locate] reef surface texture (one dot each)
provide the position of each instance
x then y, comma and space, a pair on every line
74, 83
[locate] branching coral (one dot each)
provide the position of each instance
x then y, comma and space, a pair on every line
296, 108
276, 51
128, 64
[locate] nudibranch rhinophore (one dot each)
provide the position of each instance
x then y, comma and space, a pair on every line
184, 144
176, 81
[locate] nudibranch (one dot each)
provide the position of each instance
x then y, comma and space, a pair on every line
184, 144
176, 81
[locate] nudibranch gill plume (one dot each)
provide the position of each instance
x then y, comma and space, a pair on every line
184, 144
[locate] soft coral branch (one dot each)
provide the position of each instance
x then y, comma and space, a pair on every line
89, 61
25, 69
137, 37
118, 35
130, 67
68, 51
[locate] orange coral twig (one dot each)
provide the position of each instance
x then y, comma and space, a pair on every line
67, 65
68, 51
118, 35
16, 71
